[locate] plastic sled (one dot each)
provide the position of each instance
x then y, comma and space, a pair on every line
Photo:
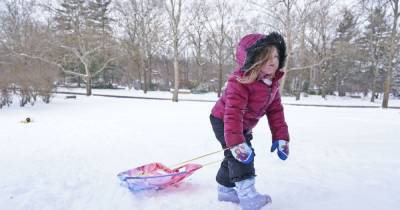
155, 176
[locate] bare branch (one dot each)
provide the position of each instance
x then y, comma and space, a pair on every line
5, 63
52, 63
92, 51
6, 55
104, 66
312, 65
264, 9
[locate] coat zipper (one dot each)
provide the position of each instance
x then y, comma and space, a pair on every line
269, 91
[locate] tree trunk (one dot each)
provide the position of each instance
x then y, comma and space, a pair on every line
176, 78
373, 86
299, 86
219, 77
79, 82
89, 85
150, 71
168, 77
175, 14
323, 92
288, 28
104, 77
145, 70
176, 69
140, 77
393, 45
145, 85
302, 52
340, 88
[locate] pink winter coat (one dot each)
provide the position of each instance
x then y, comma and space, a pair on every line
242, 105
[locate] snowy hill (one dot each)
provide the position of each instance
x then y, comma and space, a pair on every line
68, 158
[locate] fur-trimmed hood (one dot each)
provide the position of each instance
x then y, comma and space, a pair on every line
252, 44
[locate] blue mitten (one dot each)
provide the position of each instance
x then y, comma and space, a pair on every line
243, 153
283, 148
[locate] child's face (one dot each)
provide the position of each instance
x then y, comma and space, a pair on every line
270, 67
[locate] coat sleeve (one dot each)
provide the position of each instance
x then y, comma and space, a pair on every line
236, 98
276, 119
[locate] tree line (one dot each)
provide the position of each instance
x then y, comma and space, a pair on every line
173, 44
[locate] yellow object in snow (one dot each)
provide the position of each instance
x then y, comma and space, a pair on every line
27, 120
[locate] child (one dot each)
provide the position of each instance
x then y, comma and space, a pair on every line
252, 92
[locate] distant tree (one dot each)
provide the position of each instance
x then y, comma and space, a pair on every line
218, 30
100, 23
197, 35
282, 14
320, 40
142, 24
300, 72
345, 50
128, 21
393, 50
21, 34
75, 35
5, 83
174, 10
396, 80
372, 44
99, 20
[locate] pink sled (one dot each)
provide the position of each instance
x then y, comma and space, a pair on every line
155, 176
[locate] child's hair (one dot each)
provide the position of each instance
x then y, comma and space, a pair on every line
252, 73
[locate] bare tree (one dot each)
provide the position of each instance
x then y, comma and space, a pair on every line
21, 33
310, 16
128, 21
320, 39
77, 36
394, 4
72, 38
174, 10
218, 30
282, 14
5, 80
142, 25
196, 34
302, 55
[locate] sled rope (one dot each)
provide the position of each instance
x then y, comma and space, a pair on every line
199, 157
212, 162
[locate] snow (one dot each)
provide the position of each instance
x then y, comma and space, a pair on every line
311, 99
68, 158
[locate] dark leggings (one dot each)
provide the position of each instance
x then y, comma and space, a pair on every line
231, 170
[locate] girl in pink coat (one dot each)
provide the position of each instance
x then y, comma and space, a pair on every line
252, 92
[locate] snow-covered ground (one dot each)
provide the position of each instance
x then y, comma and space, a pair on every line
68, 158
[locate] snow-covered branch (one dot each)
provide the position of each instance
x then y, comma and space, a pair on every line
103, 67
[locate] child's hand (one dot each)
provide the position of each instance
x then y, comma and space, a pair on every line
283, 148
243, 153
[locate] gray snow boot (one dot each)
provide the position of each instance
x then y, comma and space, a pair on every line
249, 198
227, 194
